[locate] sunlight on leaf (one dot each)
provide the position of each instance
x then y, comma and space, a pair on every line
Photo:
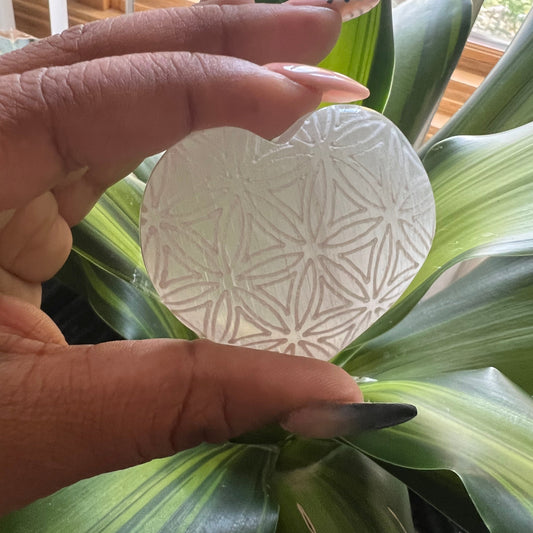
324, 487
477, 424
429, 37
465, 326
483, 189
107, 267
365, 52
209, 488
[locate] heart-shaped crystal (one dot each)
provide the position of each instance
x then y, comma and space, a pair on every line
295, 245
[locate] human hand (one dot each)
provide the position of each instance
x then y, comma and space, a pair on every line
78, 112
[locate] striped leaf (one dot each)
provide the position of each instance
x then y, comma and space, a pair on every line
143, 171
324, 487
365, 52
483, 189
106, 266
505, 98
429, 37
209, 488
109, 235
442, 489
133, 313
475, 423
466, 326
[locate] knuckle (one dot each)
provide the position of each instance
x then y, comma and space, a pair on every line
201, 68
23, 115
220, 21
67, 44
202, 413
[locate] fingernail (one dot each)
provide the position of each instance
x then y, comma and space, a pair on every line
326, 421
348, 9
335, 88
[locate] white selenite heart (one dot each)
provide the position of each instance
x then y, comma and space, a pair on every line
295, 245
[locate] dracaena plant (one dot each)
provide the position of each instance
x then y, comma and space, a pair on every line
464, 357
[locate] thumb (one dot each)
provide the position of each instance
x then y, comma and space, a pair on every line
77, 411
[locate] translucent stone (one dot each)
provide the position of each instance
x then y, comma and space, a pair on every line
295, 245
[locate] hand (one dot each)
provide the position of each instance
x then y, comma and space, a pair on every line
78, 112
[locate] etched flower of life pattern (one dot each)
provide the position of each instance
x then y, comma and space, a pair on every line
295, 245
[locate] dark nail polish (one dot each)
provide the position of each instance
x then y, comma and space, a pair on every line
334, 420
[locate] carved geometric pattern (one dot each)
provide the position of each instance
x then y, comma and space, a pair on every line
295, 245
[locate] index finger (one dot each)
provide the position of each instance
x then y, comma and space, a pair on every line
80, 128
260, 33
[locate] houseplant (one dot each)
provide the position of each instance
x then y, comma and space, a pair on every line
460, 356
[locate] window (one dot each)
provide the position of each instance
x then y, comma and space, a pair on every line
499, 20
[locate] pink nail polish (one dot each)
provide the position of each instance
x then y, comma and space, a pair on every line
335, 88
348, 9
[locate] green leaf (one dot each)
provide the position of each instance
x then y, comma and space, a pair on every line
132, 313
444, 490
108, 237
483, 189
380, 77
484, 319
505, 98
322, 486
143, 171
209, 488
365, 52
429, 37
475, 423
106, 266
476, 7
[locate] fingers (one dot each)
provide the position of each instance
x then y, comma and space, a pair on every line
35, 241
80, 127
258, 33
84, 126
22, 322
86, 410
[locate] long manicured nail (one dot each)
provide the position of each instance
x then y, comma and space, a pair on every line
326, 421
335, 88
348, 9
